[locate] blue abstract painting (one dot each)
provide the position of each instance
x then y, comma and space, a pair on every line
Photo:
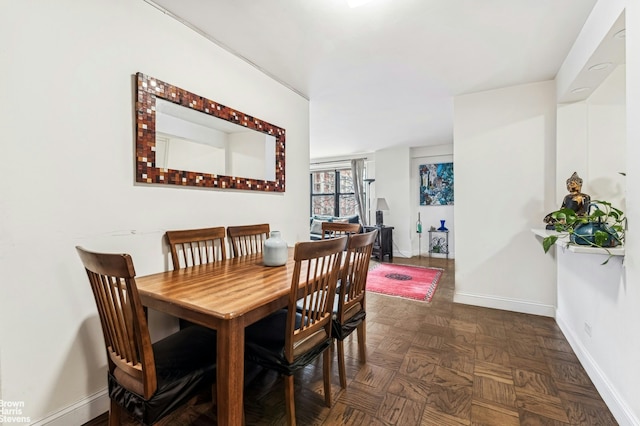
436, 184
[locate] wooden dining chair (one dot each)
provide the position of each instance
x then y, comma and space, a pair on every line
350, 310
247, 239
191, 247
288, 340
337, 229
146, 380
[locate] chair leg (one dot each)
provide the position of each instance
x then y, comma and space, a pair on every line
290, 402
114, 414
362, 341
326, 367
341, 368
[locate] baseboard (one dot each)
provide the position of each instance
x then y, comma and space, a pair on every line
505, 304
79, 413
623, 414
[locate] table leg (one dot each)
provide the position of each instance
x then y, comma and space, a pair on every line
230, 372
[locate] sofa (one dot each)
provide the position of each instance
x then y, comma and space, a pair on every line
315, 223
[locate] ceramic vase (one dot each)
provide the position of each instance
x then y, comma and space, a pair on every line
276, 252
585, 234
442, 227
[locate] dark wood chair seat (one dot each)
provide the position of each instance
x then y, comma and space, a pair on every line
350, 306
288, 340
185, 366
148, 381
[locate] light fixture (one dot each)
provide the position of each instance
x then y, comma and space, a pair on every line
599, 67
621, 34
356, 3
381, 204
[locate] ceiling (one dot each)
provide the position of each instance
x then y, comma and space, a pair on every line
384, 74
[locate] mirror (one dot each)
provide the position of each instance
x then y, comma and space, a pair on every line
185, 139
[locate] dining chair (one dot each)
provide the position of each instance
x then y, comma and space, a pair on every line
288, 340
350, 310
148, 381
191, 247
247, 239
336, 229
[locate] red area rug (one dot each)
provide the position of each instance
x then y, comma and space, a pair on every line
411, 282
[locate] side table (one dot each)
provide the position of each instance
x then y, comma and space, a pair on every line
383, 246
439, 242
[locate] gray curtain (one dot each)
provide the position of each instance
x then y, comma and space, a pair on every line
357, 172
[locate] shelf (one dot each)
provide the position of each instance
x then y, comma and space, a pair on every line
563, 242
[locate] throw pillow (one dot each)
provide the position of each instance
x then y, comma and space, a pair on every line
316, 226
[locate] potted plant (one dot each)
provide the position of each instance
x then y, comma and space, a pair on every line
603, 226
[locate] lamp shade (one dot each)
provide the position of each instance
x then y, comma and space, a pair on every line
381, 204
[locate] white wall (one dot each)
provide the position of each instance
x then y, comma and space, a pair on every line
393, 183
502, 140
68, 163
591, 135
605, 299
628, 306
430, 215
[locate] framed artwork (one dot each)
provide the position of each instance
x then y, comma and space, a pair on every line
436, 184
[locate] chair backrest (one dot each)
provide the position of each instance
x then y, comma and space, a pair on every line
338, 229
354, 275
191, 247
317, 265
124, 325
247, 239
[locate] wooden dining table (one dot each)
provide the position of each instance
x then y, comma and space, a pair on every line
227, 296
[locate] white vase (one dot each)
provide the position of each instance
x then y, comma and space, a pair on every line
276, 252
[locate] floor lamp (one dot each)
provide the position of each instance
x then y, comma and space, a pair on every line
369, 182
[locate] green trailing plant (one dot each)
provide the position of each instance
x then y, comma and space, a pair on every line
608, 230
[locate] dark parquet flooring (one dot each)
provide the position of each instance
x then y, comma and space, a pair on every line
436, 363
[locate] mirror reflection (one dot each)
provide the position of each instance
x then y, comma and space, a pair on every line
185, 139
190, 140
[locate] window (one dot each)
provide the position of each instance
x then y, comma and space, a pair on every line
332, 193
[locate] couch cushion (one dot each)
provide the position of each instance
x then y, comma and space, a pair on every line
351, 219
316, 226
316, 223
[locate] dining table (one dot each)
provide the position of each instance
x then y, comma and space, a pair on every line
226, 295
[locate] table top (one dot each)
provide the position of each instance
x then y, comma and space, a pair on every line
220, 290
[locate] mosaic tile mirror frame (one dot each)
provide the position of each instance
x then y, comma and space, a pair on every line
150, 89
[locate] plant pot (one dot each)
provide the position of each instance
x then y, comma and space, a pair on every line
585, 234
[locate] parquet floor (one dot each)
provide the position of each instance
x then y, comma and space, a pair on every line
436, 363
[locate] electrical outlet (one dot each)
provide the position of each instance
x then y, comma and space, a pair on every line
587, 328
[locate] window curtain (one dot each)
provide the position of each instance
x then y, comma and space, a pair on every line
357, 172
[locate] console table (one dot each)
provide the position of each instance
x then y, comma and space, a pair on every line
383, 246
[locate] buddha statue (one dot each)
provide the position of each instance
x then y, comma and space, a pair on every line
574, 200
